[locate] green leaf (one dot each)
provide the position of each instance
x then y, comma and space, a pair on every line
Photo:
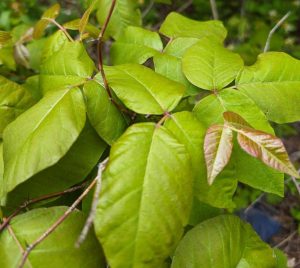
223, 241
35, 49
209, 65
71, 169
170, 67
85, 18
142, 90
5, 37
281, 259
178, 46
125, 13
176, 25
57, 250
92, 30
264, 146
7, 57
107, 120
42, 135
245, 168
273, 83
50, 13
143, 211
135, 45
190, 132
70, 65
14, 100
217, 150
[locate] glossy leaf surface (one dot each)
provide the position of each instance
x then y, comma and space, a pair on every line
58, 249
146, 197
209, 65
223, 241
42, 135
142, 90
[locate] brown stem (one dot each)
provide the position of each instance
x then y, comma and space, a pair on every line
90, 218
163, 119
99, 48
38, 199
62, 28
56, 224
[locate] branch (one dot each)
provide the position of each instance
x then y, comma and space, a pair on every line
214, 9
148, 8
90, 219
62, 28
38, 199
273, 30
99, 48
56, 224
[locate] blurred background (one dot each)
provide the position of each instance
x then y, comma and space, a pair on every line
248, 23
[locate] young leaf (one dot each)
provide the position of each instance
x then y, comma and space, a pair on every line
85, 18
245, 168
223, 241
42, 135
268, 148
14, 100
135, 45
217, 150
92, 30
209, 65
176, 25
107, 120
71, 169
191, 132
50, 13
273, 83
142, 90
68, 66
146, 197
125, 13
5, 37
58, 249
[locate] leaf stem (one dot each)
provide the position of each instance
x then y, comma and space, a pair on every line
62, 28
99, 48
163, 119
38, 199
56, 224
90, 219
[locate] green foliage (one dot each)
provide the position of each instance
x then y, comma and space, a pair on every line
181, 123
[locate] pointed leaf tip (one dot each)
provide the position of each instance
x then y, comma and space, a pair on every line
217, 150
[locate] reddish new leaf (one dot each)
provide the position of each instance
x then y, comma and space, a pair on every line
264, 146
217, 150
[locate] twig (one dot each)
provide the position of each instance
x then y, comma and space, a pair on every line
278, 24
90, 219
147, 9
214, 9
62, 28
38, 199
286, 239
56, 224
99, 48
257, 200
184, 6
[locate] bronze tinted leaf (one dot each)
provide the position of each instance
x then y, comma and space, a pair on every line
217, 150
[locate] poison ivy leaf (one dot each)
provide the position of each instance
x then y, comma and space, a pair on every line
32, 85
209, 65
135, 45
5, 37
70, 65
178, 46
50, 13
21, 55
217, 150
190, 132
35, 49
273, 83
7, 57
281, 259
125, 13
107, 120
143, 211
268, 148
53, 44
71, 169
223, 241
57, 250
176, 25
142, 90
85, 18
42, 135
14, 100
245, 168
